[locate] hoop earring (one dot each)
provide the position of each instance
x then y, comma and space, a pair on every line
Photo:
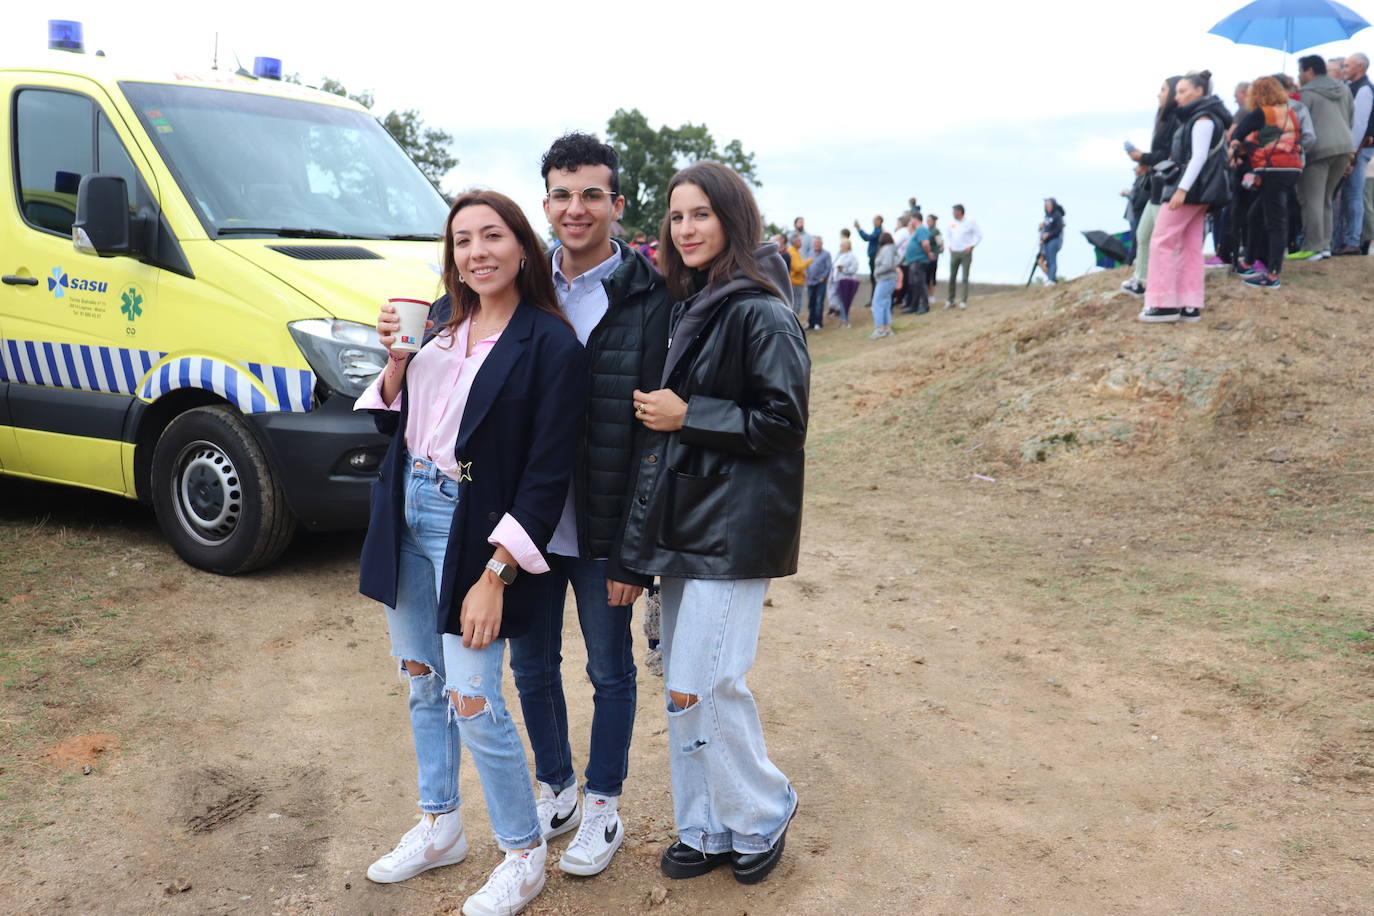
522, 263
461, 280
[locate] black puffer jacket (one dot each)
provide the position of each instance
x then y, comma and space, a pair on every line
1159, 151
626, 352
1209, 188
721, 498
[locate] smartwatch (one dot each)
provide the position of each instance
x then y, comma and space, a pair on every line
504, 571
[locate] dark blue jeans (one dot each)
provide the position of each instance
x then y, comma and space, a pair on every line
1052, 257
536, 660
816, 304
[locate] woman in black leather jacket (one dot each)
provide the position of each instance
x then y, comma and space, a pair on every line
716, 512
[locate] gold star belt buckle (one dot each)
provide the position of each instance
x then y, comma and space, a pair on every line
465, 471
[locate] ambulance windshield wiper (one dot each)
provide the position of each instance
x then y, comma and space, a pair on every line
415, 237
289, 232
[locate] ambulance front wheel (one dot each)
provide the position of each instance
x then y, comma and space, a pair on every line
215, 495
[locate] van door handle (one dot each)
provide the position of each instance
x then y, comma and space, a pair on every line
12, 280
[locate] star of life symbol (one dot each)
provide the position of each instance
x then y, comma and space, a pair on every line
132, 302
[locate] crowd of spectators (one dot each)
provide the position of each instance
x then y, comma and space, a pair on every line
902, 266
1282, 177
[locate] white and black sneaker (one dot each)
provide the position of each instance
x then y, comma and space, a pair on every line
1134, 287
1159, 316
559, 812
436, 840
514, 883
597, 839
1190, 315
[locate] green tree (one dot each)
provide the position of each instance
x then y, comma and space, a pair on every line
427, 146
650, 157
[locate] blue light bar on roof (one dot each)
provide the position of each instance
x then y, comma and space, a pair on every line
65, 35
267, 68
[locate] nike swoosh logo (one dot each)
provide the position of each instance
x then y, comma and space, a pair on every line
557, 821
432, 852
611, 831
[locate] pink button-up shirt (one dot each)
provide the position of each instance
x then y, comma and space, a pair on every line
438, 382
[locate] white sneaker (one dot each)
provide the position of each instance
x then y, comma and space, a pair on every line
949, 305
513, 884
1321, 255
597, 839
963, 305
434, 841
559, 812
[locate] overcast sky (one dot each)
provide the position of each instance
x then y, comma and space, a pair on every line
850, 112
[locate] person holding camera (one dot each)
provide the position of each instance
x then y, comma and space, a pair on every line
1166, 121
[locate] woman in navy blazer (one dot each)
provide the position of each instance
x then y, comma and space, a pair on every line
484, 422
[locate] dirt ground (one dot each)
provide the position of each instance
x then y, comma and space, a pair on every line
1084, 625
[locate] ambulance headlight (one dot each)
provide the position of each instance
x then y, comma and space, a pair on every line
345, 355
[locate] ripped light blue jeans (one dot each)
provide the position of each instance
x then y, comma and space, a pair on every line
438, 731
727, 794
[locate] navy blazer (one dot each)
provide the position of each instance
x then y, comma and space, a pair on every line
520, 430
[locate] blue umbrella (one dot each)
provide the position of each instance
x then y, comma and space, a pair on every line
1290, 25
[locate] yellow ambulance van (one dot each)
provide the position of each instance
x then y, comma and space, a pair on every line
192, 268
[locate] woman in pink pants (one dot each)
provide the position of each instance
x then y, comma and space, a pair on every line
1175, 289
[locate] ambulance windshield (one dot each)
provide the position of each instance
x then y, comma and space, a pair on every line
260, 165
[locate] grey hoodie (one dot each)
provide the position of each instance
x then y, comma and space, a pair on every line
1332, 107
690, 315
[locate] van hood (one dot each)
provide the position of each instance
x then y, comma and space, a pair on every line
348, 279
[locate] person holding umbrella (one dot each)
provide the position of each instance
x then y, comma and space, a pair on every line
1329, 102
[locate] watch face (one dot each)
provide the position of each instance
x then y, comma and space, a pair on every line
504, 572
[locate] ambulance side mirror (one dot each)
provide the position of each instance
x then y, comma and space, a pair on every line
102, 216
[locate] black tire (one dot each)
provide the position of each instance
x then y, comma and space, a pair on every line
215, 495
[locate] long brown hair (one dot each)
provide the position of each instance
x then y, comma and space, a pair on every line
739, 217
535, 279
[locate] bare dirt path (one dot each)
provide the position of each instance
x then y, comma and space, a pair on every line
1085, 685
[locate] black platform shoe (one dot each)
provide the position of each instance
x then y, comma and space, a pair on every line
682, 861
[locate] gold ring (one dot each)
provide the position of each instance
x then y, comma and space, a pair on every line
639, 408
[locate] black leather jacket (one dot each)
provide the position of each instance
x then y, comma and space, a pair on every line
721, 498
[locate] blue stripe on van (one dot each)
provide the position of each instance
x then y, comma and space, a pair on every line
130, 380
72, 374
111, 376
132, 372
